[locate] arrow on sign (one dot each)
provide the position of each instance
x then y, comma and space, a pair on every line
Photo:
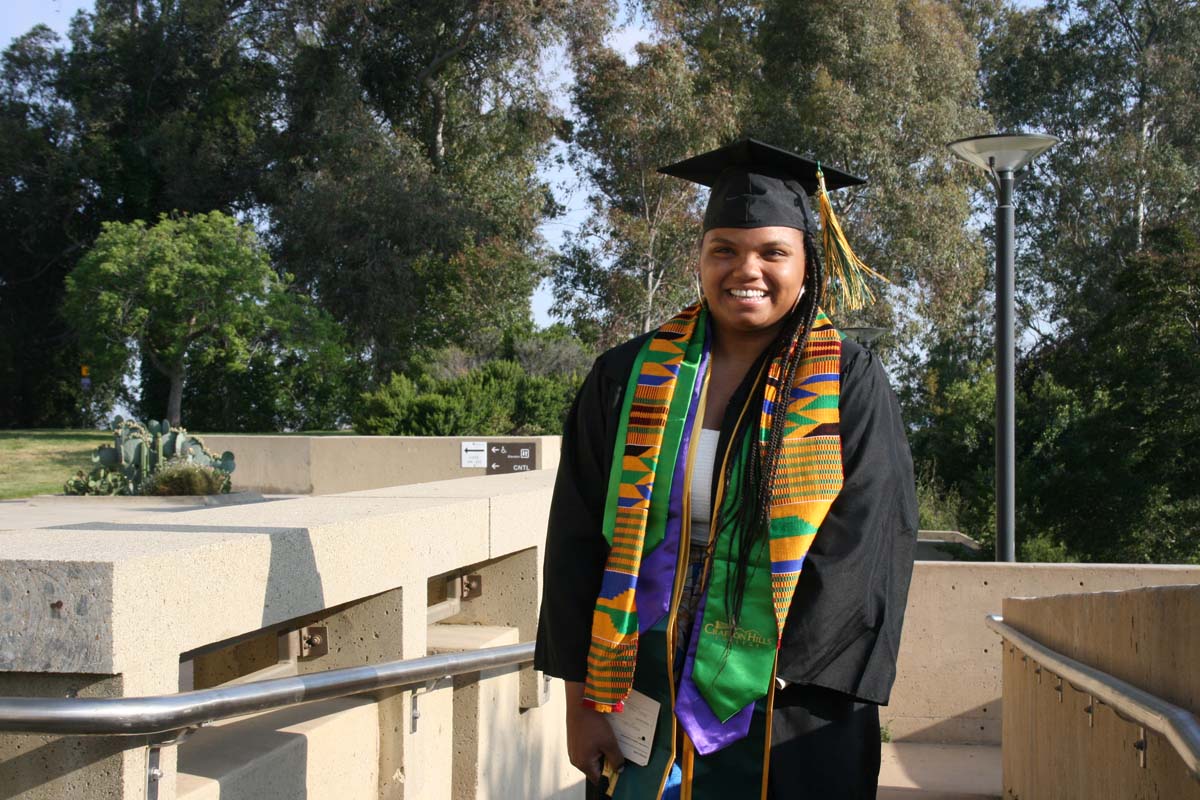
495, 466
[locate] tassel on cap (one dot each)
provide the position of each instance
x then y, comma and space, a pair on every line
841, 264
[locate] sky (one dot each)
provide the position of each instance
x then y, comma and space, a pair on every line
21, 15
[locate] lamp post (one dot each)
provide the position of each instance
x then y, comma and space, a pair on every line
1004, 157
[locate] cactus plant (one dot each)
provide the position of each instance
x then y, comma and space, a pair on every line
137, 452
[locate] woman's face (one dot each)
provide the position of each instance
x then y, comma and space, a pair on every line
751, 277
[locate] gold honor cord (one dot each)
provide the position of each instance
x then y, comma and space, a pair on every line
841, 264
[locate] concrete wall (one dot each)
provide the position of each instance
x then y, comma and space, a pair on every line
1053, 746
334, 464
109, 608
948, 682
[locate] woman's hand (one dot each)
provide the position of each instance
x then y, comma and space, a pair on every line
589, 736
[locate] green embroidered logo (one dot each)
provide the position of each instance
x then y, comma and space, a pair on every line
745, 636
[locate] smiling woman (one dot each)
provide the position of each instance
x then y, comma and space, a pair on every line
733, 521
752, 277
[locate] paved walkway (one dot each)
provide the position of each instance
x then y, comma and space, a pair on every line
939, 772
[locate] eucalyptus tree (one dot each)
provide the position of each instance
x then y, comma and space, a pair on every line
407, 196
1116, 80
630, 266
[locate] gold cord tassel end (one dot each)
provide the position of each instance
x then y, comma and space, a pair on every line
842, 266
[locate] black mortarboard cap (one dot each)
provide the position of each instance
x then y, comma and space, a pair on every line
757, 185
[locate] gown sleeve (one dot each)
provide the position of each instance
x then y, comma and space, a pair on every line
843, 629
576, 550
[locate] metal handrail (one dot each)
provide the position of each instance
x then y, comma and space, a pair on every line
1179, 726
130, 716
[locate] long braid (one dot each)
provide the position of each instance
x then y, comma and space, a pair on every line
760, 472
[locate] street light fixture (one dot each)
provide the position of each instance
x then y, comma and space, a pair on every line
1005, 157
863, 334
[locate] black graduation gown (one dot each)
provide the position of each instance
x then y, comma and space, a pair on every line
843, 631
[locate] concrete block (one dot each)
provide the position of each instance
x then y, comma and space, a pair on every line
1052, 746
164, 582
425, 768
45, 767
501, 752
485, 705
56, 617
511, 598
1051, 752
325, 750
333, 464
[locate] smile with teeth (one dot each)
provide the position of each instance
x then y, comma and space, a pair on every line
748, 293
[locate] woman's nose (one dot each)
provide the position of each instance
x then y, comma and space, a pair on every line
749, 265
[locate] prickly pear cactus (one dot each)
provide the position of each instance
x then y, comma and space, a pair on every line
137, 451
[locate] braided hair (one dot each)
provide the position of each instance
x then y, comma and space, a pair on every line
750, 500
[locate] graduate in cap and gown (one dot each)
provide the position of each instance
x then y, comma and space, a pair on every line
734, 517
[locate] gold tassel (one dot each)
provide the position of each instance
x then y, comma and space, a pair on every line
841, 265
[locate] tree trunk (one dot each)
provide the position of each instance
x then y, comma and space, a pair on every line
437, 143
648, 312
1143, 149
175, 399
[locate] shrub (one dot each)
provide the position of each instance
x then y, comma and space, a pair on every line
383, 411
181, 477
542, 404
940, 508
499, 398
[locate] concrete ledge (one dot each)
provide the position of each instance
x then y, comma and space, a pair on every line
127, 594
334, 464
319, 750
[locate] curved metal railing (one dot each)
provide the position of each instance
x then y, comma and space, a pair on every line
130, 716
1176, 724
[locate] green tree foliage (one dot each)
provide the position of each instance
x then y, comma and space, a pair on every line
386, 152
523, 385
190, 290
46, 219
153, 107
1113, 467
630, 266
875, 88
409, 199
300, 376
1116, 80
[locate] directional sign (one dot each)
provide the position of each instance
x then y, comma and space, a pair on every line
505, 457
474, 455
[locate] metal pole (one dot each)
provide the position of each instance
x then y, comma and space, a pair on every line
1006, 427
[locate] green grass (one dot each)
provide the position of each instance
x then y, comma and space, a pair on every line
40, 461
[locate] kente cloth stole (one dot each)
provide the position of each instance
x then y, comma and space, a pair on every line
728, 668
